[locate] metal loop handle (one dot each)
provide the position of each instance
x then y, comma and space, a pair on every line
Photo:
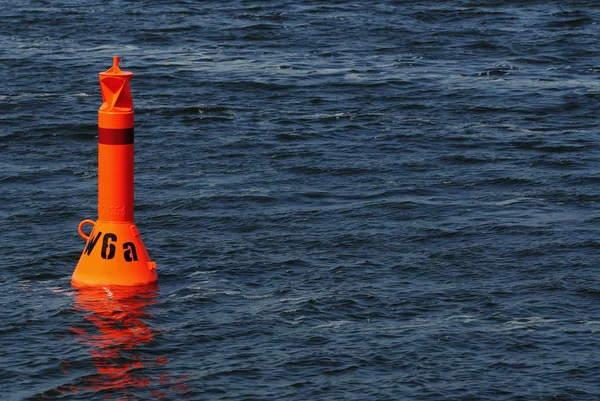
80, 228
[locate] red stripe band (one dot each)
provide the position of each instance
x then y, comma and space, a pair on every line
115, 136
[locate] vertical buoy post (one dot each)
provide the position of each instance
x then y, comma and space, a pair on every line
114, 253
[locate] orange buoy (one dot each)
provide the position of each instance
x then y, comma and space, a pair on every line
114, 253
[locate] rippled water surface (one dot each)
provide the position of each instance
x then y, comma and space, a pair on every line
346, 200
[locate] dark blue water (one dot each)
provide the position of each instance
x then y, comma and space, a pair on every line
346, 200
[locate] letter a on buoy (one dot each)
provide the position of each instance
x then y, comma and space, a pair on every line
114, 253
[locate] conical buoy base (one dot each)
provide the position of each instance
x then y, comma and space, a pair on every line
114, 254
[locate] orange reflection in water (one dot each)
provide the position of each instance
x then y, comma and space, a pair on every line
118, 314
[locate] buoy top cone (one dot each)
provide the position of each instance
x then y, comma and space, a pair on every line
116, 93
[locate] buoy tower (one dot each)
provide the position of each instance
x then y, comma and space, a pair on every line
114, 253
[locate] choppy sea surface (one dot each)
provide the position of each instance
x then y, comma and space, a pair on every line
346, 200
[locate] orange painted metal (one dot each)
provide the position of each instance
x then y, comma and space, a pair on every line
114, 253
